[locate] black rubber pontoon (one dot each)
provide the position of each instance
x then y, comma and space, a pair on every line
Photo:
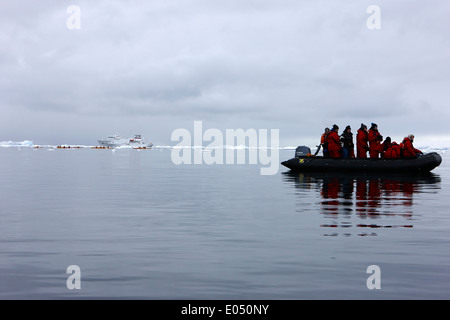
423, 163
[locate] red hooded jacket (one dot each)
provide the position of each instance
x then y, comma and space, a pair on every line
393, 151
361, 144
408, 149
374, 142
334, 144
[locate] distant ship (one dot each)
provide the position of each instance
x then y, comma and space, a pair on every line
118, 141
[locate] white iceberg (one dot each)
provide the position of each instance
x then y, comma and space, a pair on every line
25, 143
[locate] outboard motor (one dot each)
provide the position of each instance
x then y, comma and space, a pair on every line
302, 151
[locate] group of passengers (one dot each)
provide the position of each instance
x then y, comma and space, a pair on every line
342, 146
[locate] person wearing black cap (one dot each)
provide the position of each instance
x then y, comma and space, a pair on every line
391, 149
347, 143
385, 146
375, 139
362, 141
334, 143
324, 142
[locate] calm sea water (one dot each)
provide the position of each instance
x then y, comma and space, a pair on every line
139, 226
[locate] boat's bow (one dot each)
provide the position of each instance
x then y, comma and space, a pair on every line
435, 159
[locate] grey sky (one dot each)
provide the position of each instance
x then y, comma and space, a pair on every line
151, 67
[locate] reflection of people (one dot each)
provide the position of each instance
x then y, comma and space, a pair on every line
347, 143
361, 195
330, 191
375, 139
374, 196
334, 143
362, 142
408, 149
394, 187
370, 197
347, 188
408, 190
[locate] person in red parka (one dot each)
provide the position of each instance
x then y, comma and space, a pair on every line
324, 143
384, 146
393, 152
334, 143
390, 150
362, 140
375, 139
408, 150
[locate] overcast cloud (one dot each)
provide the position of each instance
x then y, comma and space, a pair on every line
151, 67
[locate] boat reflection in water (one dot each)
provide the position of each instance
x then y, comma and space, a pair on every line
367, 202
